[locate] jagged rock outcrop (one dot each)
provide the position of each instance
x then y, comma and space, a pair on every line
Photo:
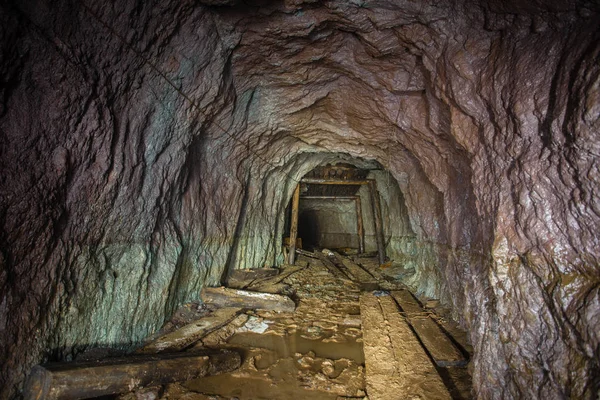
146, 147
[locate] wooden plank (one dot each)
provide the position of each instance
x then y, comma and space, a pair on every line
302, 252
335, 271
359, 226
307, 253
407, 302
80, 380
286, 272
438, 344
274, 284
318, 181
436, 341
397, 367
190, 333
376, 206
355, 270
294, 224
384, 281
273, 288
242, 278
345, 198
224, 297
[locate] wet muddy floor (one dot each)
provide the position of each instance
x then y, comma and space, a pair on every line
315, 352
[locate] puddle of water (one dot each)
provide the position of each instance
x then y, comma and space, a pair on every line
257, 388
288, 345
291, 365
266, 375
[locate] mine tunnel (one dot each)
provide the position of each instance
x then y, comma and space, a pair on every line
299, 199
331, 215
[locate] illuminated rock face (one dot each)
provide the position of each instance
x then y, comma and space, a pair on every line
134, 174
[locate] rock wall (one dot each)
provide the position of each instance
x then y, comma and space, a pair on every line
147, 148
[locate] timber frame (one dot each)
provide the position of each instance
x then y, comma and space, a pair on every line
375, 206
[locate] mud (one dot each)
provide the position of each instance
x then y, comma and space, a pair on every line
315, 352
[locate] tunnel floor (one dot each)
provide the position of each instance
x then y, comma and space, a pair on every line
353, 335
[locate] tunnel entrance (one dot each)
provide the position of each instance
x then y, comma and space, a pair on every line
327, 210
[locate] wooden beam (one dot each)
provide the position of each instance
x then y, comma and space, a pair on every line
317, 181
355, 272
190, 333
82, 380
286, 272
224, 297
333, 269
328, 197
397, 367
307, 253
294, 225
359, 225
376, 206
358, 273
435, 340
242, 278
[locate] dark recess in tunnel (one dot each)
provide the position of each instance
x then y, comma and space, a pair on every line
309, 229
324, 209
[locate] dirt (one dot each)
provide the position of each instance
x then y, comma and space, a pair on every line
315, 352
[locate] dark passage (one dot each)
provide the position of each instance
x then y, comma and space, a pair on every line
309, 229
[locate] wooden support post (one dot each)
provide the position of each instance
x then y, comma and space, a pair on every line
82, 380
294, 225
359, 226
376, 206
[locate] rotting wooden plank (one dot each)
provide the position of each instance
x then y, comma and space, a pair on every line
356, 270
379, 356
425, 377
384, 282
336, 259
436, 341
335, 198
373, 271
407, 301
285, 273
306, 253
300, 263
335, 271
319, 181
225, 297
81, 380
294, 224
190, 333
397, 367
273, 288
438, 344
242, 278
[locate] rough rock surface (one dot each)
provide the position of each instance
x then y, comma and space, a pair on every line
146, 147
